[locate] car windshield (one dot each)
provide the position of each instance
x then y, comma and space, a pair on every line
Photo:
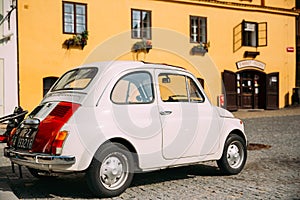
77, 79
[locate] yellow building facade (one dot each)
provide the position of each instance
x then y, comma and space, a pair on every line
241, 50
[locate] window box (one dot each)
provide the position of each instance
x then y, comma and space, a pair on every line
142, 46
200, 49
79, 40
251, 54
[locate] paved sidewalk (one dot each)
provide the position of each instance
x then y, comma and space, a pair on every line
6, 192
257, 113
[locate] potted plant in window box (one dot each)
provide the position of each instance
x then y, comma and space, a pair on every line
201, 49
77, 40
142, 46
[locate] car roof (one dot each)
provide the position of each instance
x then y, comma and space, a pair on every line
117, 66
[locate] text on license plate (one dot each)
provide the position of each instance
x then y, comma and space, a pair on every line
25, 139
25, 143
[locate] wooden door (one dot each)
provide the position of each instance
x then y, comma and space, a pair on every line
229, 80
272, 91
247, 97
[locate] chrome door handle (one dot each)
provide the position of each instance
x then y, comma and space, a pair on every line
167, 112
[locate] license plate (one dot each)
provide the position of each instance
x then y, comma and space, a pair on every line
26, 138
25, 143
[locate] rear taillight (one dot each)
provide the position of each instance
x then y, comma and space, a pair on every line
49, 138
58, 142
3, 138
7, 138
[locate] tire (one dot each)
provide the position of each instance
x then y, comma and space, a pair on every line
111, 170
234, 155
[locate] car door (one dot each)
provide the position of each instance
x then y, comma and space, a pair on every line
134, 111
189, 127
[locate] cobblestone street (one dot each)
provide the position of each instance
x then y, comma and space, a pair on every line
270, 173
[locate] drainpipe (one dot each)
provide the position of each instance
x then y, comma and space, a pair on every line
18, 54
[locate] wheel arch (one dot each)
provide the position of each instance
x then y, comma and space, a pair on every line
225, 138
128, 145
223, 162
239, 133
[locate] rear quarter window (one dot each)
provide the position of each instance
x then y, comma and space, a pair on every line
133, 88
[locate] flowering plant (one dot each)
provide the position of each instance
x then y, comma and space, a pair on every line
201, 48
77, 40
144, 45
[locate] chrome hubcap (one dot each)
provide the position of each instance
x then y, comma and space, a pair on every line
235, 155
114, 171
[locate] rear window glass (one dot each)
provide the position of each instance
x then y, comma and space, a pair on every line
76, 79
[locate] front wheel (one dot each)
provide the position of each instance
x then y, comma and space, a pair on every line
234, 155
110, 172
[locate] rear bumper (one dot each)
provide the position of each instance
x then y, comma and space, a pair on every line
43, 162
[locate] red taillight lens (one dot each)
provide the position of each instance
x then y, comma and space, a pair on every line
48, 136
3, 138
7, 138
58, 142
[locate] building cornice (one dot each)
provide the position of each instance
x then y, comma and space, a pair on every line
237, 6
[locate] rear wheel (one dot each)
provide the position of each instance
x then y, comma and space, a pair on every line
234, 155
111, 170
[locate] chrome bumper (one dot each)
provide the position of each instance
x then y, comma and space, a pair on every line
39, 161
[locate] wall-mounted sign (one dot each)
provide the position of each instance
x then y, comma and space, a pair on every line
290, 49
250, 63
274, 79
249, 26
221, 100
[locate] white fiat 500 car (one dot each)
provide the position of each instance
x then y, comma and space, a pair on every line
112, 119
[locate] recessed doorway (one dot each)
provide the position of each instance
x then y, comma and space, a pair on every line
251, 89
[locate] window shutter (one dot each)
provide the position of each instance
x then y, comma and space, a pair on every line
272, 93
262, 34
237, 37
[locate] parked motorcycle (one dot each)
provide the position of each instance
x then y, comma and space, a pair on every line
13, 121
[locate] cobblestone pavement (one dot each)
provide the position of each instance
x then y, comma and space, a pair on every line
270, 173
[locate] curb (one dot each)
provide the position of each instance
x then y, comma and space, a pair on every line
258, 113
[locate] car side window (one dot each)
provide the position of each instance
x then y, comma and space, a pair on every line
173, 88
178, 88
194, 91
133, 88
